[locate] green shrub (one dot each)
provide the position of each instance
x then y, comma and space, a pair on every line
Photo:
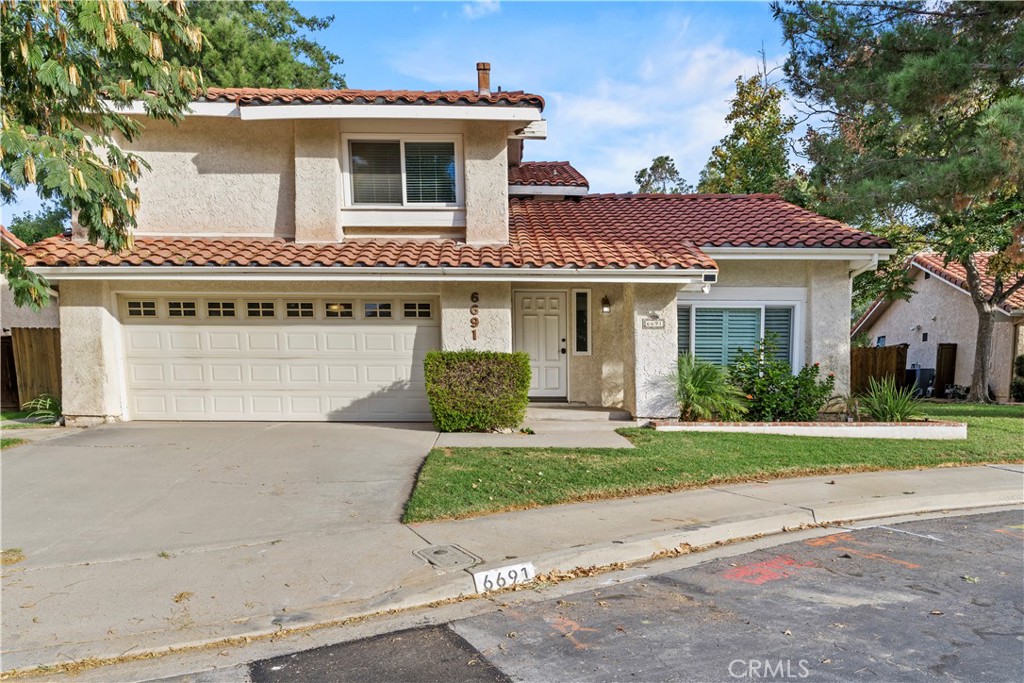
1017, 389
477, 391
887, 402
773, 392
1018, 366
704, 391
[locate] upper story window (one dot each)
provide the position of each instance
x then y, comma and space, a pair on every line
404, 172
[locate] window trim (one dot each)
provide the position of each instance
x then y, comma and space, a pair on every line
348, 193
590, 322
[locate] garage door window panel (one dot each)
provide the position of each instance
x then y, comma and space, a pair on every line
141, 309
417, 309
376, 310
339, 309
260, 309
181, 309
299, 309
220, 309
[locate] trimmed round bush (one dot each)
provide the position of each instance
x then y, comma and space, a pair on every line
477, 391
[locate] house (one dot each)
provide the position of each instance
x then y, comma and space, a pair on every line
940, 326
26, 336
299, 251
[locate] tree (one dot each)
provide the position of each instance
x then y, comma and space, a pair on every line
66, 69
259, 45
753, 157
662, 177
50, 220
922, 114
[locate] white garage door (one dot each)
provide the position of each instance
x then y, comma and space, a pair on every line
232, 358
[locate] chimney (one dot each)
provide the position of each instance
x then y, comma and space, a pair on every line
483, 78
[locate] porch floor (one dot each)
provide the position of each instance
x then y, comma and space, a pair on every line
574, 412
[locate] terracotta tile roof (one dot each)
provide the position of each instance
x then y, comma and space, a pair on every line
258, 96
529, 249
955, 274
665, 222
595, 231
9, 238
549, 173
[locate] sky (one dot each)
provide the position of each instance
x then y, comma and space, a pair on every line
624, 82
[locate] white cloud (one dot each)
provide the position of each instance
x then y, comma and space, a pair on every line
480, 8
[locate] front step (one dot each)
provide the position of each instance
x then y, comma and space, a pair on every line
574, 412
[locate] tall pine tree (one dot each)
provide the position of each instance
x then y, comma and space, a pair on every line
922, 115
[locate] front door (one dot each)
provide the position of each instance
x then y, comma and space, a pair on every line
945, 368
540, 330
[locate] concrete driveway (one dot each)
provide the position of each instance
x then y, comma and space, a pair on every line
243, 519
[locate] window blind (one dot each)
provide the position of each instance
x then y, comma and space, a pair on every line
430, 172
779, 322
684, 329
376, 172
721, 333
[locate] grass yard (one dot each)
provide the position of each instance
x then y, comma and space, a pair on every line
6, 443
13, 414
463, 482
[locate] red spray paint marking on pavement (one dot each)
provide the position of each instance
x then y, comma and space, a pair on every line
569, 628
1015, 534
846, 537
757, 573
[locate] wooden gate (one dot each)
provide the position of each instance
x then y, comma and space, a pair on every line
37, 362
877, 362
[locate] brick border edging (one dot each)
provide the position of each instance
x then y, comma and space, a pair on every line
922, 423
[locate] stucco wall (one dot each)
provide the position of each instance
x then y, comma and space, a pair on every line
317, 182
91, 352
825, 303
213, 176
828, 320
494, 312
947, 315
655, 351
12, 316
486, 150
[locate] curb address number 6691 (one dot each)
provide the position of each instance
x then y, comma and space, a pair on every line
503, 577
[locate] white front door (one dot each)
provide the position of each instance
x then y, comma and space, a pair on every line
540, 330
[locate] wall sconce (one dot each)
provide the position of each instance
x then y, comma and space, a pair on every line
606, 305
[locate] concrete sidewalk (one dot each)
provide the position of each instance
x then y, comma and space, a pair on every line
141, 604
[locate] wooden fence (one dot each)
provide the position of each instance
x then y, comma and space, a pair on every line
37, 362
878, 362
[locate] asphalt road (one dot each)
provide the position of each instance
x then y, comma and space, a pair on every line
930, 600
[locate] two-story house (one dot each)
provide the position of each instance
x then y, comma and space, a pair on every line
299, 251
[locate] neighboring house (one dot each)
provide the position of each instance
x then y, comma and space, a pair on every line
298, 252
940, 326
19, 318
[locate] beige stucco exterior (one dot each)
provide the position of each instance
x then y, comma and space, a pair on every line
946, 314
213, 176
12, 316
819, 291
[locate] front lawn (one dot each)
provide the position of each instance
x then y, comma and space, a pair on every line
13, 414
6, 443
462, 482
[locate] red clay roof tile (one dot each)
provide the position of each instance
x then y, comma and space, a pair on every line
664, 222
595, 231
258, 96
548, 173
956, 274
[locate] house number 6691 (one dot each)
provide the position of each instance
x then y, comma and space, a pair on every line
474, 311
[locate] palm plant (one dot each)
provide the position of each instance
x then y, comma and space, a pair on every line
703, 391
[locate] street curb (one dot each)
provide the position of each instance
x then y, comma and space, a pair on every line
588, 560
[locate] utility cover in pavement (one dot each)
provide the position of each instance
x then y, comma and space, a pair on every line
447, 556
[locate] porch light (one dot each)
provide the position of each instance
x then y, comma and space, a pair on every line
606, 305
